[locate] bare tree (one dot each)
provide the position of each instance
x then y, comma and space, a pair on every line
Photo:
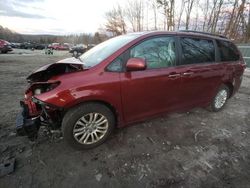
248, 24
154, 7
205, 10
180, 14
196, 18
236, 24
115, 21
188, 9
171, 20
135, 14
214, 15
232, 15
168, 12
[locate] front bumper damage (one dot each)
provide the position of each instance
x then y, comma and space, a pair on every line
34, 114
35, 111
25, 125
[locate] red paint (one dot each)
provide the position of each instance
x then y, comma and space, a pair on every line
136, 64
57, 46
136, 95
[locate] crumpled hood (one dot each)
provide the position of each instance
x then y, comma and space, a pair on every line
60, 67
71, 60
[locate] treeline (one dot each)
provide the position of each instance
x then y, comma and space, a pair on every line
227, 17
84, 38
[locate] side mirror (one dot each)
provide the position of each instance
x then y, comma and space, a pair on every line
136, 64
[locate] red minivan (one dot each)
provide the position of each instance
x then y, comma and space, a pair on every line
128, 79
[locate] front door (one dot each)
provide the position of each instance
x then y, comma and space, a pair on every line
154, 90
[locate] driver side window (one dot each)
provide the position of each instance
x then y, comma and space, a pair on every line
158, 52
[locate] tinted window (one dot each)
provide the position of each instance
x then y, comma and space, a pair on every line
158, 52
197, 50
228, 52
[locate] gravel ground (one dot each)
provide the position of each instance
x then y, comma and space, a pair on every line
193, 149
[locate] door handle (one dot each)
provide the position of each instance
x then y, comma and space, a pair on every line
173, 75
187, 73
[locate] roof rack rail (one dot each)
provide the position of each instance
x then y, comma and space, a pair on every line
206, 33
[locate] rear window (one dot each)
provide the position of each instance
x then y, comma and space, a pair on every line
228, 51
195, 50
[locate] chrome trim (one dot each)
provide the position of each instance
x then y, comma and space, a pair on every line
173, 75
187, 73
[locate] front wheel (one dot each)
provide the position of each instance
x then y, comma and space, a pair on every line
220, 99
87, 125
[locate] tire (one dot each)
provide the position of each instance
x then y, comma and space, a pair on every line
76, 119
220, 99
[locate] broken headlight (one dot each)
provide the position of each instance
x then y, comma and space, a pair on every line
37, 91
38, 88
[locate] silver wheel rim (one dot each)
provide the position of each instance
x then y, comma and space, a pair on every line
90, 128
220, 98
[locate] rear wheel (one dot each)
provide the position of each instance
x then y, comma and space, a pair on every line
220, 99
87, 125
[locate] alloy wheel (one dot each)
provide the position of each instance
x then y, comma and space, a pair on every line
221, 98
90, 128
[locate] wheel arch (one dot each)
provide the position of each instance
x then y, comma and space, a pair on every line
101, 102
230, 87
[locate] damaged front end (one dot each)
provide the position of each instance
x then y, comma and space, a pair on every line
34, 112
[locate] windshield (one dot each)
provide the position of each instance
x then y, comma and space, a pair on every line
100, 52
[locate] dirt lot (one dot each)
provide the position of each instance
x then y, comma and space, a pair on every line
193, 149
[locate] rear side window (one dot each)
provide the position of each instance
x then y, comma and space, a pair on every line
196, 50
228, 52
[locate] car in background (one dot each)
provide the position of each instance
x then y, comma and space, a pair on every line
32, 46
62, 47
128, 79
53, 46
15, 44
5, 46
89, 46
58, 46
39, 46
78, 50
26, 45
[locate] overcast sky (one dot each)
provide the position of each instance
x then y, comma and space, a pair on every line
54, 16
